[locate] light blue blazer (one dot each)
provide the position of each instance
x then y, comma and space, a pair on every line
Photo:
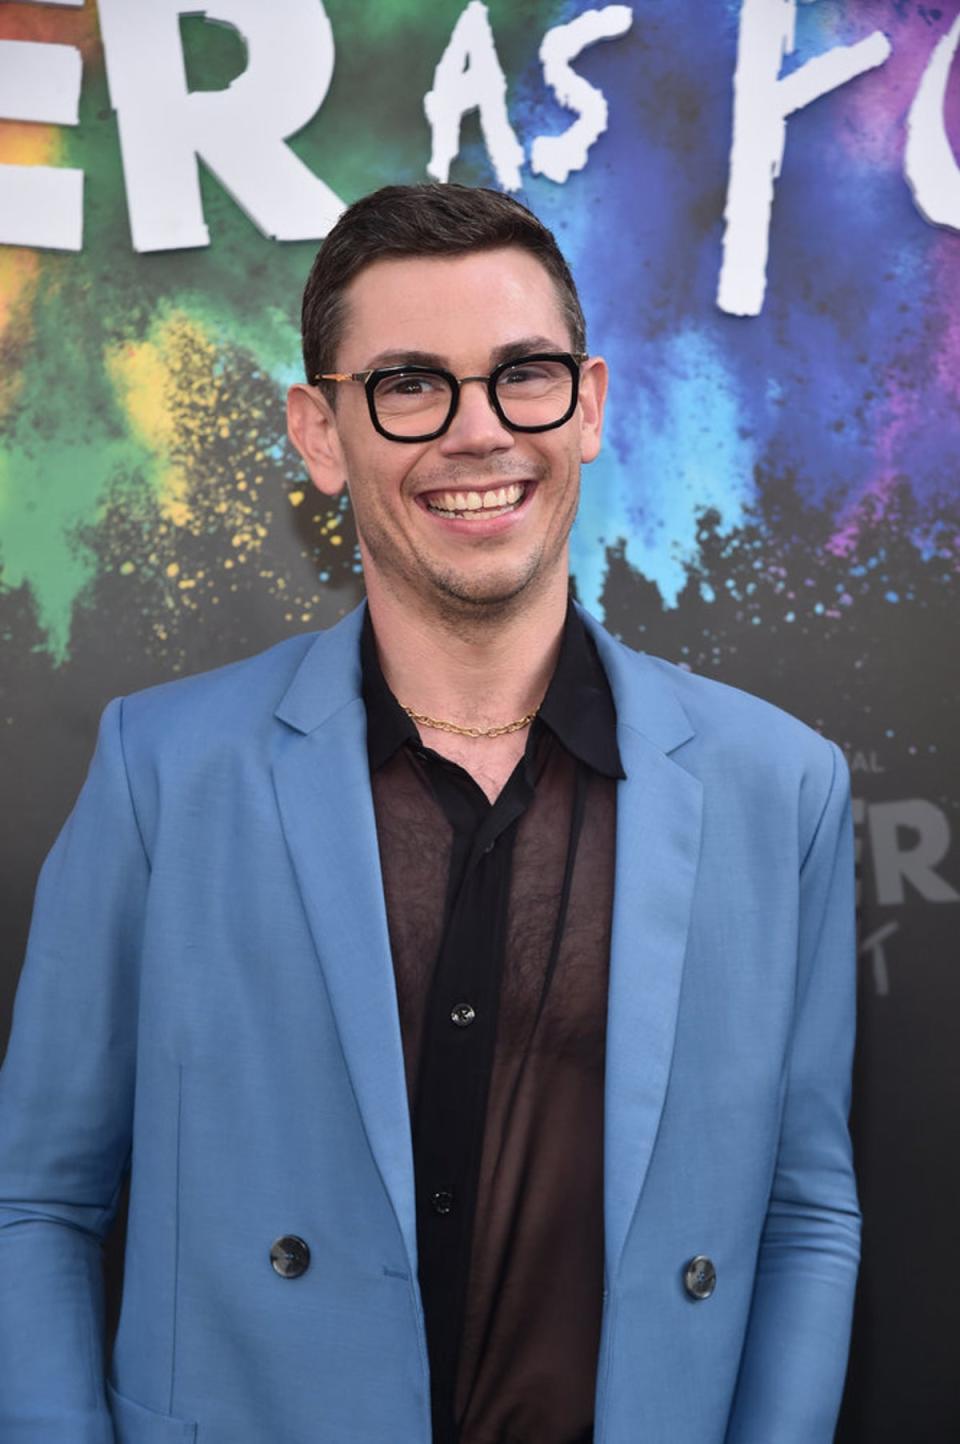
208, 1000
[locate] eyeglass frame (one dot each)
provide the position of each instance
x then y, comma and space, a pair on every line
573, 360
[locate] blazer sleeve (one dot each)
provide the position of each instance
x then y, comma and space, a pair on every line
795, 1354
66, 1102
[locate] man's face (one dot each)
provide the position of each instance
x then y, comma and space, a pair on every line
463, 314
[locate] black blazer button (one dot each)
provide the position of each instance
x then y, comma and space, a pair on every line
700, 1277
290, 1256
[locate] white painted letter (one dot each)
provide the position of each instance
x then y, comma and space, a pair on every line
239, 132
929, 164
470, 77
555, 156
762, 102
40, 205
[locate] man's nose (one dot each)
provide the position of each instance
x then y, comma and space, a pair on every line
476, 427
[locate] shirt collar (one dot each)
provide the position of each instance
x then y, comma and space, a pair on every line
388, 726
578, 707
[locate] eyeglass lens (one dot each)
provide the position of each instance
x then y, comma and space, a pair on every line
530, 393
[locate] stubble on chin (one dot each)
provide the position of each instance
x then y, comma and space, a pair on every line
465, 602
454, 598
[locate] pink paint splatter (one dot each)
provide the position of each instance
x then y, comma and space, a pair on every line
877, 104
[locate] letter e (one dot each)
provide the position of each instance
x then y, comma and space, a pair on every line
41, 205
238, 132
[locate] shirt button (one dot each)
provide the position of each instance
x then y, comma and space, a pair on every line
442, 1200
700, 1277
290, 1256
463, 1015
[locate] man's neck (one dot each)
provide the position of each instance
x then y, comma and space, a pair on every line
482, 675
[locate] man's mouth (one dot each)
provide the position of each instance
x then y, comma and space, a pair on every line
495, 501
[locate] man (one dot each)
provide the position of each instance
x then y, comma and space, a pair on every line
470, 998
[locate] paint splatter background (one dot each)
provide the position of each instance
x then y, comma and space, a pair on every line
777, 504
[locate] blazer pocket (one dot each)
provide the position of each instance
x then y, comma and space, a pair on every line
134, 1424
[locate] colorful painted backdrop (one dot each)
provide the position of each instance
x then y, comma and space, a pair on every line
777, 504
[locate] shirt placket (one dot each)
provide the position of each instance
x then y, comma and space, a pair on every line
456, 1059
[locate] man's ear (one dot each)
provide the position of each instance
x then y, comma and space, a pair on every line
312, 427
593, 395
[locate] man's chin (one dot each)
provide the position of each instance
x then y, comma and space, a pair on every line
474, 611
457, 594
483, 598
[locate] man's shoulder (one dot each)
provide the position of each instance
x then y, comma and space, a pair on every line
719, 708
232, 692
726, 728
240, 700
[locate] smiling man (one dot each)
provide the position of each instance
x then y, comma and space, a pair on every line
469, 998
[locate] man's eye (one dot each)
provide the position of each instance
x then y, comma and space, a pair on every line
407, 386
517, 375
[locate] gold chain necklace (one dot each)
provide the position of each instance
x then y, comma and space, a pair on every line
520, 723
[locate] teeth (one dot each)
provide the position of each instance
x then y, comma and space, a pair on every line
461, 502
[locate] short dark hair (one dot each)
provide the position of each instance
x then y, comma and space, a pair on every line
420, 220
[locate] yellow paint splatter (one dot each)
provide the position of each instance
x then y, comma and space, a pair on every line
192, 409
19, 269
19, 274
29, 143
178, 511
146, 376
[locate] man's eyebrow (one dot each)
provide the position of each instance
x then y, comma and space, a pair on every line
524, 346
406, 358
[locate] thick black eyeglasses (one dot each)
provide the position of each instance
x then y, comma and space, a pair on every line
418, 403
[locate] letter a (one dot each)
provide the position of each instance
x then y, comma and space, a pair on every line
470, 77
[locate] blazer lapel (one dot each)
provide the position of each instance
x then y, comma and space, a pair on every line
657, 852
322, 782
